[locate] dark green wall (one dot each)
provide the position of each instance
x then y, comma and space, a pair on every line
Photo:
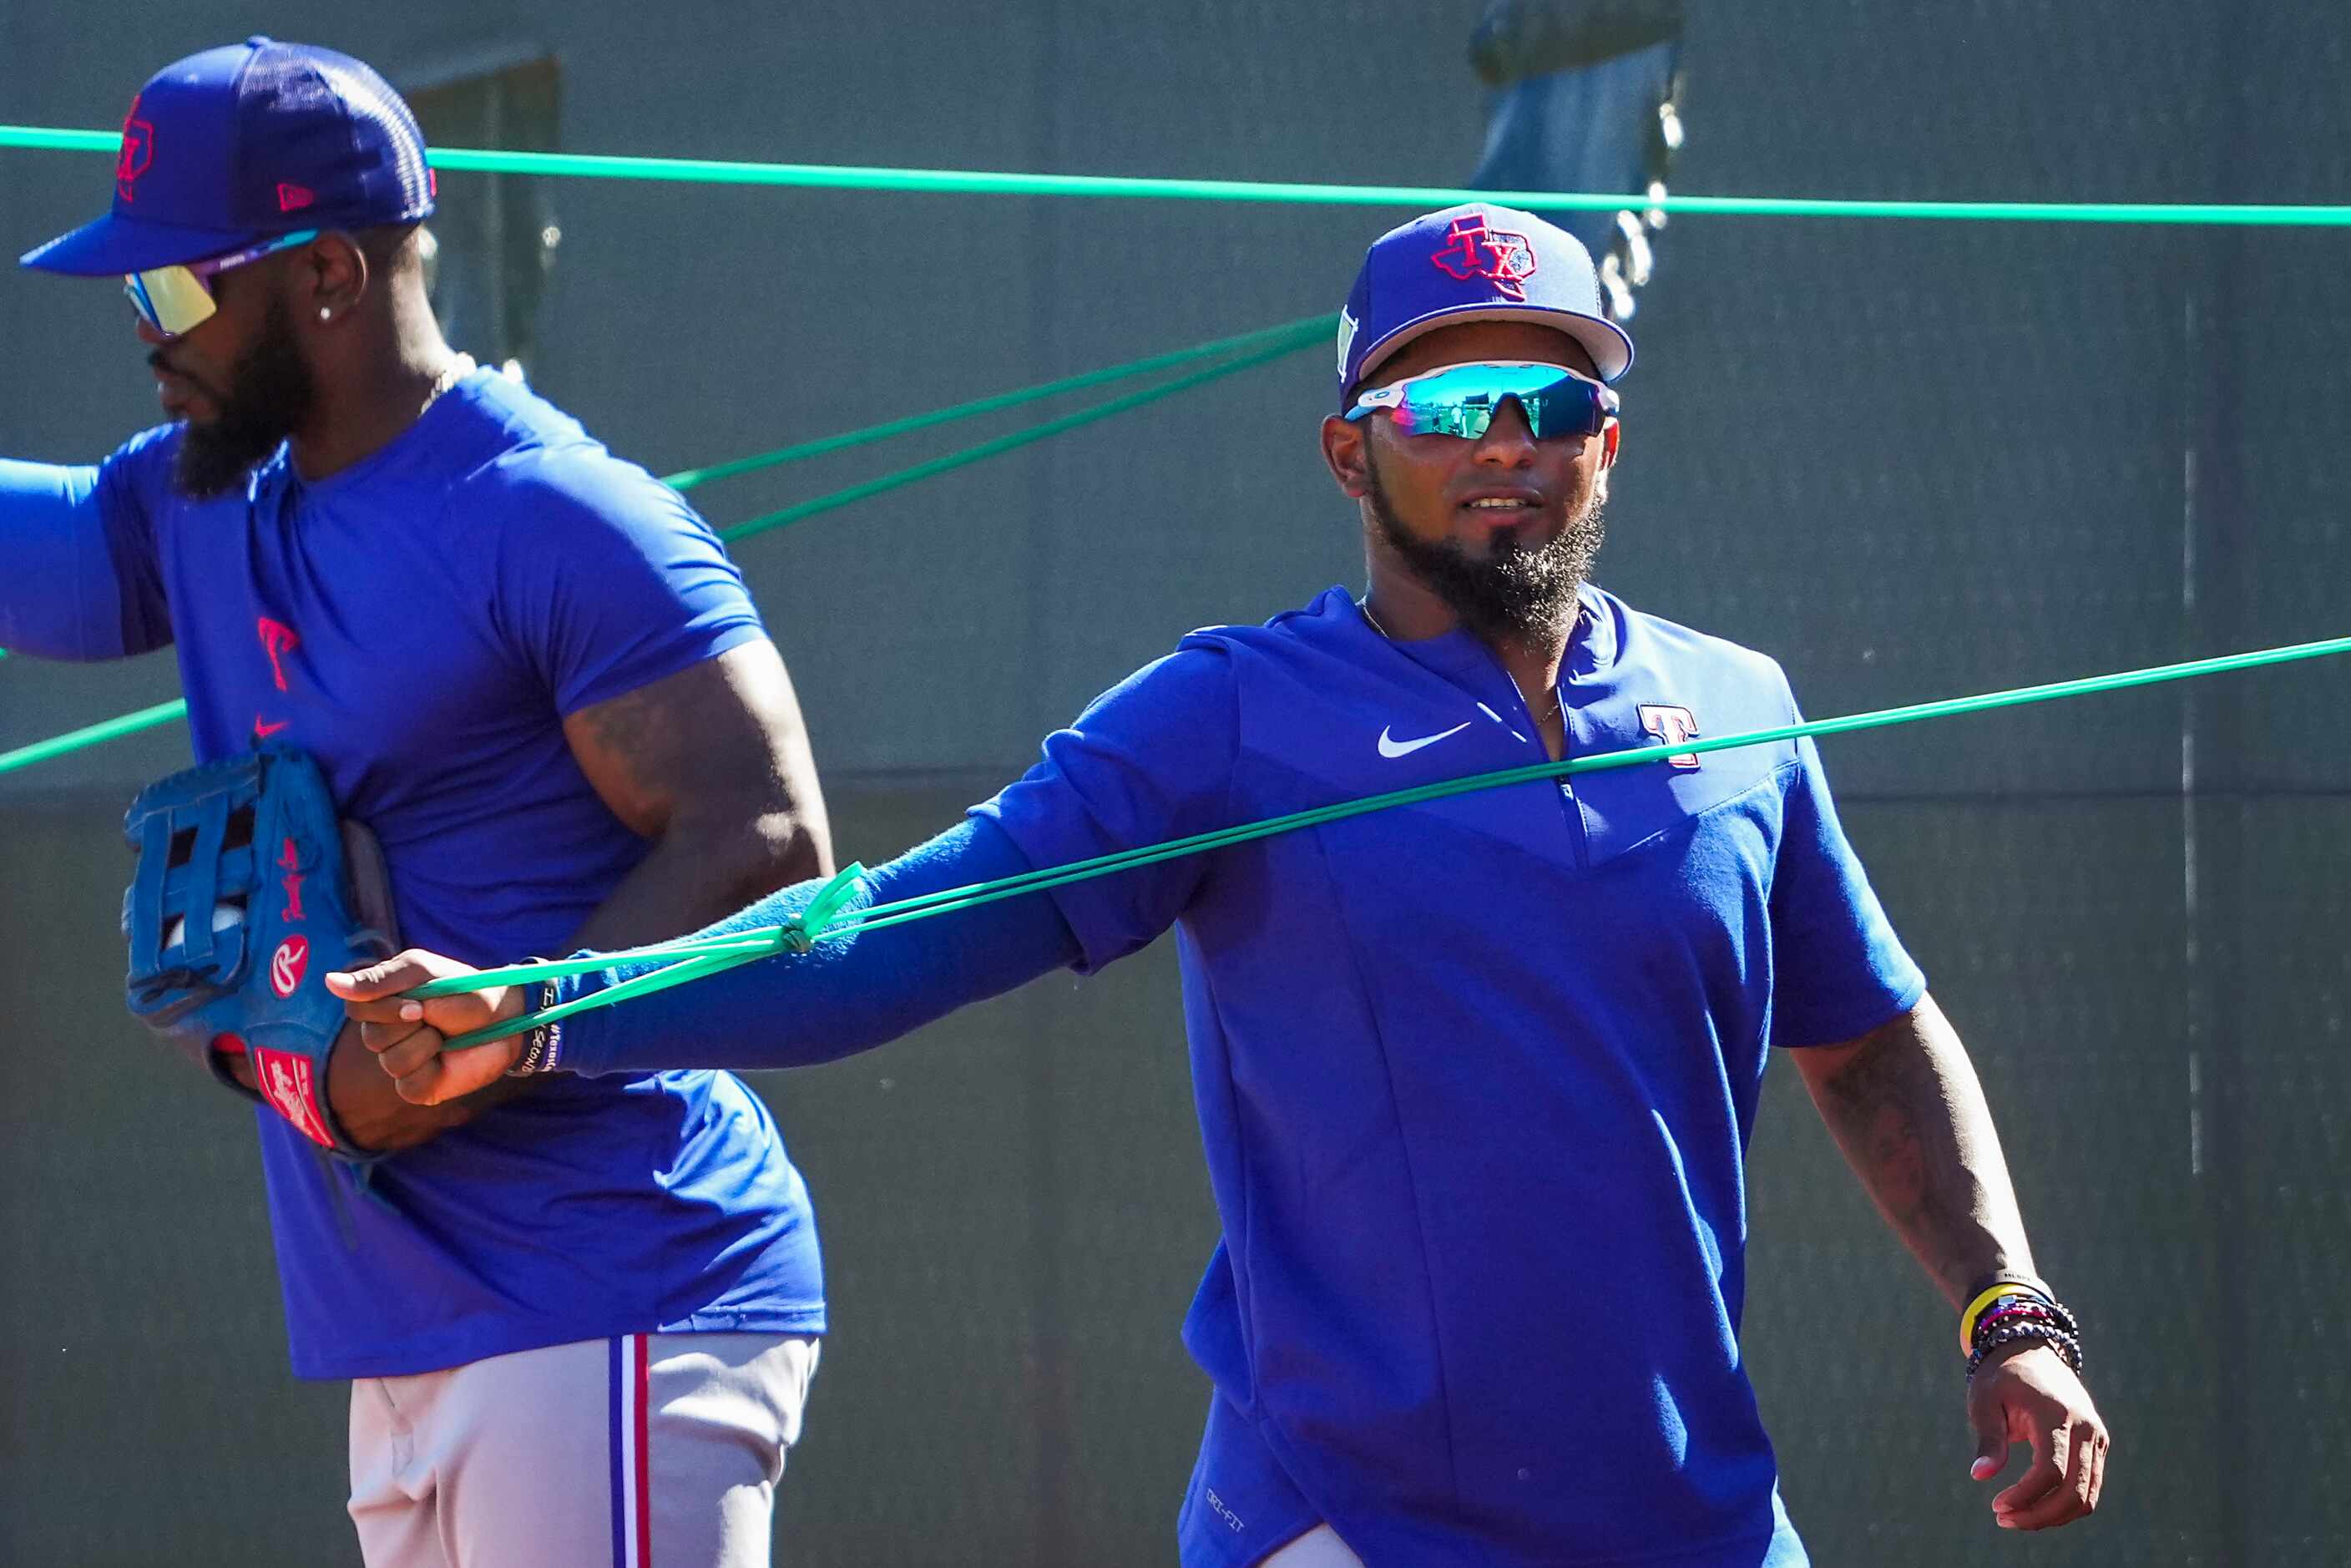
1910, 460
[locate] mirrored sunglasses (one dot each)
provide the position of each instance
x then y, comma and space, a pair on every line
176, 299
1461, 400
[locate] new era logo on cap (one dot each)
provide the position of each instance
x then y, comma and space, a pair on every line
1476, 262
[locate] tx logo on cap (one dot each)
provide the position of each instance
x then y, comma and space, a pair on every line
138, 152
1473, 250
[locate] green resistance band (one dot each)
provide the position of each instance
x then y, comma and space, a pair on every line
696, 957
1298, 339
1292, 333
821, 914
845, 177
98, 734
1284, 339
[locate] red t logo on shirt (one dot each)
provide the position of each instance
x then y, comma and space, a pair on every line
277, 639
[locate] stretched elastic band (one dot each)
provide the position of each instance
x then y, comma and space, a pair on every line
965, 182
745, 946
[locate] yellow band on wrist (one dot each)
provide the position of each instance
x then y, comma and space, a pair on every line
1975, 1308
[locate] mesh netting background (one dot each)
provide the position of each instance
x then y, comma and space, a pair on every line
1909, 460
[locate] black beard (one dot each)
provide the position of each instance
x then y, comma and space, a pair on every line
1521, 592
270, 393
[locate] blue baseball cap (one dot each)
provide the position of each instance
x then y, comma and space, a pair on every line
237, 145
1476, 262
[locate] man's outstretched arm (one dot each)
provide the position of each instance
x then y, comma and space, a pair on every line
711, 767
77, 578
849, 994
1904, 1104
1150, 760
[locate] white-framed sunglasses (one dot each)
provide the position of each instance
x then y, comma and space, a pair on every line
1461, 400
176, 299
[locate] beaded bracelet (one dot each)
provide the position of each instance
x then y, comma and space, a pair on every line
2068, 1346
2020, 1328
2011, 1308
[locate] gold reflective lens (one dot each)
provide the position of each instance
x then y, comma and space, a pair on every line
171, 298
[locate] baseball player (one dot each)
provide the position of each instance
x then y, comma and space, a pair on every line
1476, 1077
579, 1317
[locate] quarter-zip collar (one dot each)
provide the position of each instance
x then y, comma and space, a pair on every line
1459, 658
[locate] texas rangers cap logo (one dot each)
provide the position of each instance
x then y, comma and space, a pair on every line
138, 152
1473, 250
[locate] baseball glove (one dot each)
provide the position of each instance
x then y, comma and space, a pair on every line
248, 892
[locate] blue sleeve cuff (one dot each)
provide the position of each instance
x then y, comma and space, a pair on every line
1906, 988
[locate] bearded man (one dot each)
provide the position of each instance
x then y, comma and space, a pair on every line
579, 1318
1475, 1077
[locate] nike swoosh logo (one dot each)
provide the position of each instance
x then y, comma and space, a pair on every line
1391, 748
264, 731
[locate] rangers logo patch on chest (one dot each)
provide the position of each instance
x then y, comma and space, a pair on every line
1671, 725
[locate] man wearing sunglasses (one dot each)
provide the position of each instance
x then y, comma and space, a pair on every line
579, 1318
1475, 1077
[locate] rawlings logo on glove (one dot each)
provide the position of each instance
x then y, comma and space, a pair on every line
288, 1083
286, 966
248, 892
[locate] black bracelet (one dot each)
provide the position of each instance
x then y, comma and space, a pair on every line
2068, 1346
542, 1048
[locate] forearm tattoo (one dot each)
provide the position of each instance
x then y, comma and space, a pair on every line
1914, 1128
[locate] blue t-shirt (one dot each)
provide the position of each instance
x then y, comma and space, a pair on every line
422, 623
1475, 1077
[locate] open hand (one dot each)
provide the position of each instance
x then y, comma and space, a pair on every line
2033, 1396
407, 1034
